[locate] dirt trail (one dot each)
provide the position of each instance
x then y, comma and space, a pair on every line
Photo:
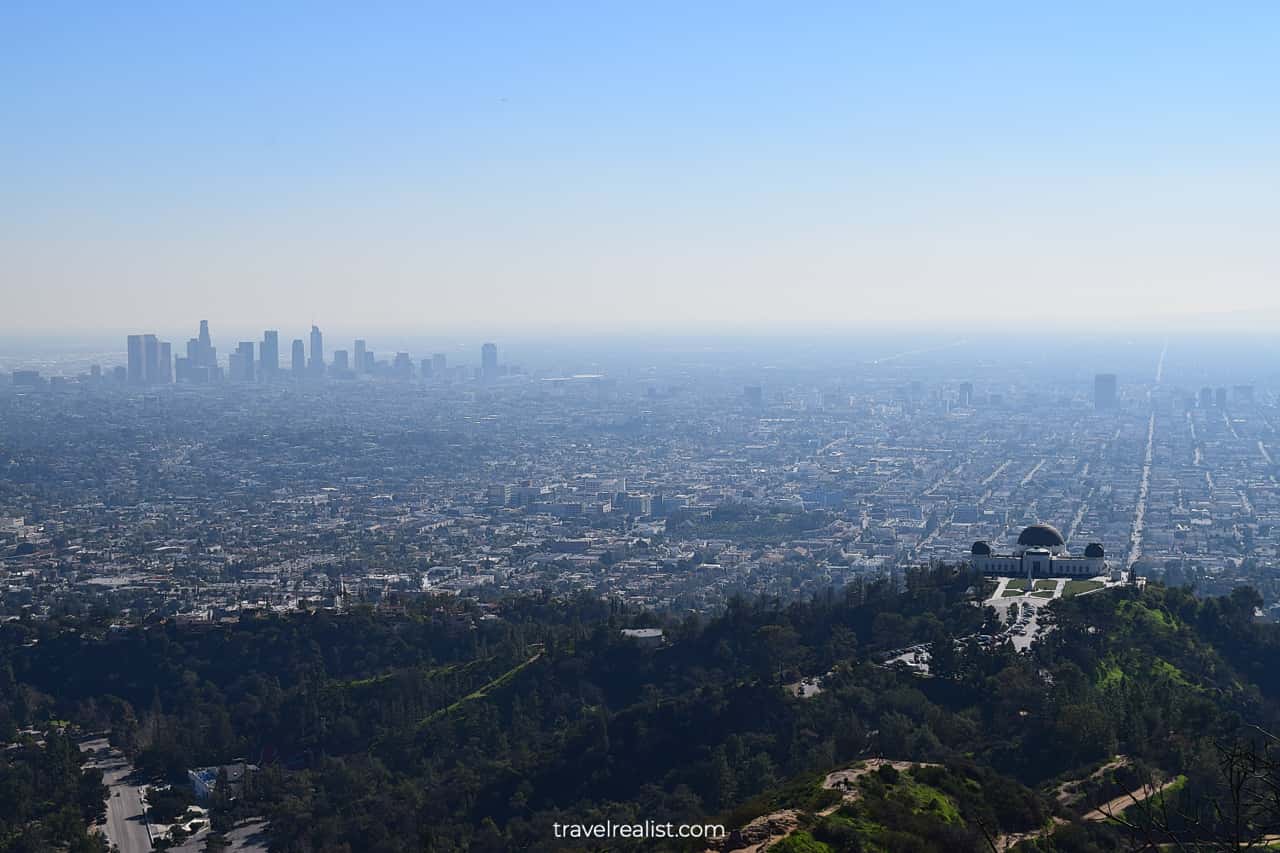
846, 780
767, 830
1113, 807
1068, 797
1013, 839
761, 833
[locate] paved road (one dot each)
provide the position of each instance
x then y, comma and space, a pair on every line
1144, 488
125, 828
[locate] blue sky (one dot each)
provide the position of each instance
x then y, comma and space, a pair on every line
599, 166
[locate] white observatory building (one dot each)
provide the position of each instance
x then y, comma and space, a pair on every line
1041, 552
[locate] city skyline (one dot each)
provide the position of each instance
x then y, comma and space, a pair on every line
150, 361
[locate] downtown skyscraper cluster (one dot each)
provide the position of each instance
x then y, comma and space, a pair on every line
151, 361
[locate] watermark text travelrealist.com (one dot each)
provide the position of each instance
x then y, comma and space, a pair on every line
645, 829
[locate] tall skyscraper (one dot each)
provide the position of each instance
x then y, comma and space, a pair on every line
402, 367
150, 359
317, 351
270, 353
201, 363
137, 372
298, 362
359, 356
202, 358
1104, 392
340, 364
489, 358
245, 361
966, 394
165, 376
439, 363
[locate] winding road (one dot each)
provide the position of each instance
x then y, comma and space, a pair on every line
125, 827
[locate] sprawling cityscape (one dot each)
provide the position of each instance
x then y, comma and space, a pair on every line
193, 488
639, 428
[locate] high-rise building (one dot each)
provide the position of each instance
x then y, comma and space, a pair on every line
316, 365
137, 368
150, 359
402, 367
359, 355
298, 361
425, 367
966, 394
201, 363
1220, 398
244, 373
269, 353
1206, 398
207, 355
489, 360
340, 361
439, 363
165, 376
1104, 392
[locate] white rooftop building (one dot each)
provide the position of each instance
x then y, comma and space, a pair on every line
1041, 552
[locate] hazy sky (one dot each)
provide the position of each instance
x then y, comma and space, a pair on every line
543, 166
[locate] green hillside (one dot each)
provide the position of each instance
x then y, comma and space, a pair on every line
434, 729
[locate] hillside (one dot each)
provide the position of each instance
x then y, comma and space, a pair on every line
436, 729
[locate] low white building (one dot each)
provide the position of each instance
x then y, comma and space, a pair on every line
1041, 552
649, 638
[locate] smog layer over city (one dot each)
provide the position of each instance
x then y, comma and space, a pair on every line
710, 429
